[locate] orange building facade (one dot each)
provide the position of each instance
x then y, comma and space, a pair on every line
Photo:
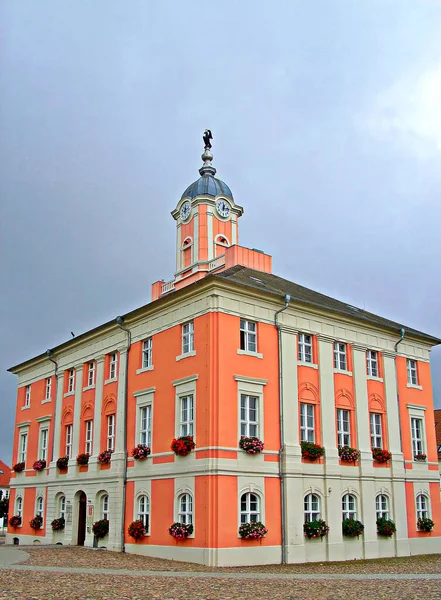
224, 350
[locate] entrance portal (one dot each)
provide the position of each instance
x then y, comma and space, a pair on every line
82, 505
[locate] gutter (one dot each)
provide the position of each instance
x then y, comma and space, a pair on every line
287, 299
49, 355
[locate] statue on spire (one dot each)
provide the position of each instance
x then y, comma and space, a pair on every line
207, 137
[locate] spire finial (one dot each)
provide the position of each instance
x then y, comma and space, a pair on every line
207, 168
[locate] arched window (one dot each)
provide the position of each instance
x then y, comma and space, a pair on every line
105, 507
249, 508
144, 511
39, 509
348, 506
62, 507
185, 509
19, 506
382, 506
312, 507
422, 507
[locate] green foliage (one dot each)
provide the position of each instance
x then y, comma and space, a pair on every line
4, 506
352, 528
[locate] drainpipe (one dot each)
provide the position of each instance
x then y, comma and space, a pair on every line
402, 332
287, 299
49, 355
119, 322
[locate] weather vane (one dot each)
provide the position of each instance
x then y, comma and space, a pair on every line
207, 137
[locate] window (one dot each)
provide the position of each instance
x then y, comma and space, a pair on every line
48, 388
43, 443
69, 441
90, 373
185, 509
71, 381
19, 507
343, 428
105, 507
417, 436
348, 507
88, 437
62, 507
188, 338
307, 422
147, 353
27, 396
186, 415
376, 433
144, 512
372, 363
145, 429
339, 356
305, 348
248, 336
112, 365
23, 447
39, 509
249, 416
422, 508
249, 508
382, 506
412, 377
111, 432
311, 508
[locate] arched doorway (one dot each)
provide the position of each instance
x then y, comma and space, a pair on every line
82, 506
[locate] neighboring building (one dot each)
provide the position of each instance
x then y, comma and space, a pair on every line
228, 349
5, 473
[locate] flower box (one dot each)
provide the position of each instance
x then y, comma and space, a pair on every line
352, 528
251, 444
100, 528
381, 456
105, 457
58, 524
312, 451
348, 454
19, 467
36, 522
136, 530
420, 457
315, 529
140, 451
180, 531
15, 521
62, 463
183, 445
252, 531
425, 524
385, 527
39, 465
83, 459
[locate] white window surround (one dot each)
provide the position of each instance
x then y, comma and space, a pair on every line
143, 511
304, 348
27, 402
113, 366
185, 508
311, 507
110, 428
422, 505
300, 363
39, 507
105, 506
48, 390
343, 427
417, 412
144, 491
372, 366
349, 506
248, 353
307, 422
248, 336
23, 446
184, 485
43, 443
340, 356
185, 387
255, 486
412, 373
91, 373
376, 429
382, 506
88, 436
144, 398
250, 508
371, 378
71, 382
18, 508
187, 337
61, 503
68, 435
250, 386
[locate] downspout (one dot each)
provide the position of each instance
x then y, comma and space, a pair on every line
49, 355
402, 332
287, 299
119, 322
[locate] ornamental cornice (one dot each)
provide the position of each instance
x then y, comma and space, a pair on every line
325, 338
389, 353
288, 329
359, 347
184, 380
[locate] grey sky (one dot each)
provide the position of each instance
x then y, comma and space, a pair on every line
326, 126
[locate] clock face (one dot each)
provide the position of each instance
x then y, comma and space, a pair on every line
185, 211
223, 208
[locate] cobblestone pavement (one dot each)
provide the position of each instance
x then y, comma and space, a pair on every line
288, 582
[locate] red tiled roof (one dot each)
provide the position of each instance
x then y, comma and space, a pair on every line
437, 415
5, 475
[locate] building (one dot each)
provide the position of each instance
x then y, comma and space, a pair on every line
228, 349
437, 415
5, 473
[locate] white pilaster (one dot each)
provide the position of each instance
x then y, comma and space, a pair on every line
196, 236
98, 405
57, 417
77, 410
210, 233
327, 399
121, 405
392, 408
361, 403
290, 388
178, 247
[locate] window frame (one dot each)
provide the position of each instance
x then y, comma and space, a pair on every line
422, 509
372, 363
340, 356
43, 442
39, 507
110, 435
48, 389
186, 425
113, 366
68, 437
248, 426
187, 340
248, 515
186, 515
418, 445
303, 354
309, 514
88, 436
412, 372
19, 508
91, 369
143, 513
145, 434
62, 506
382, 510
23, 447
346, 511
27, 402
374, 416
305, 429
105, 507
341, 432
71, 381
147, 353
248, 336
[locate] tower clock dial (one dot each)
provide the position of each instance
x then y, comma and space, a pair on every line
185, 211
223, 208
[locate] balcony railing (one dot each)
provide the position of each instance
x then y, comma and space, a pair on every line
168, 287
216, 263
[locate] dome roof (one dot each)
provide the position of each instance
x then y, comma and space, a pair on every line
207, 185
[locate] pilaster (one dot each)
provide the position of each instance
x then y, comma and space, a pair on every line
98, 405
392, 407
327, 399
361, 403
77, 410
290, 390
121, 404
57, 417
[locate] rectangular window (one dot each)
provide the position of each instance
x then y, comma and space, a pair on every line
376, 432
112, 365
147, 353
69, 441
27, 396
343, 428
372, 363
186, 415
145, 425
88, 437
412, 376
307, 422
111, 432
249, 416
417, 436
90, 373
340, 356
188, 338
248, 336
23, 447
71, 381
305, 348
43, 443
48, 388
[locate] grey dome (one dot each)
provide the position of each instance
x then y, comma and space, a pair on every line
207, 185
